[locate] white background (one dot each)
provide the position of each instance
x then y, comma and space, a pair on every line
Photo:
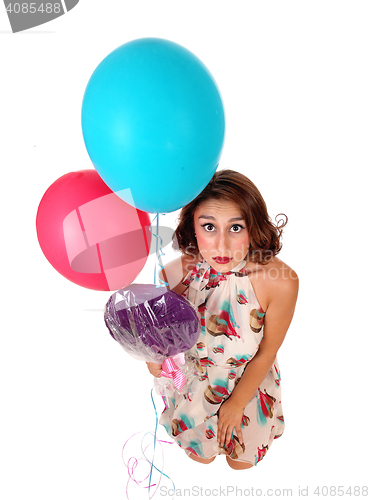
295, 81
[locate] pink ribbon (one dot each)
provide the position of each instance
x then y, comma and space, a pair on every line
171, 370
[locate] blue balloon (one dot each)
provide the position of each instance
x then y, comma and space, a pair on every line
153, 124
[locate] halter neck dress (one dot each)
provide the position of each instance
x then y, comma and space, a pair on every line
231, 330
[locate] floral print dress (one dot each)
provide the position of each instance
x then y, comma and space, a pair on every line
231, 331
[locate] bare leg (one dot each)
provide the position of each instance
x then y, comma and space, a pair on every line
234, 464
201, 460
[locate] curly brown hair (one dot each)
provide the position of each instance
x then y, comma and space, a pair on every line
265, 236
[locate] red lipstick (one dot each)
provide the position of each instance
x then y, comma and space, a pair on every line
222, 260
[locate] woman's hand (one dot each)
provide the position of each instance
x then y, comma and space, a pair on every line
154, 368
229, 416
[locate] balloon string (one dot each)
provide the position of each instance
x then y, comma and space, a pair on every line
155, 439
159, 253
131, 468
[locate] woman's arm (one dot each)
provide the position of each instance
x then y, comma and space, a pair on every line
278, 317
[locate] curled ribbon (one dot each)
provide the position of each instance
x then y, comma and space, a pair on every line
171, 370
133, 463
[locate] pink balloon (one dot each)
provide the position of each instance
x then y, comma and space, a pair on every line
90, 235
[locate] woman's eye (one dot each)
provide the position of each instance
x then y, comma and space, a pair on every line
208, 227
236, 228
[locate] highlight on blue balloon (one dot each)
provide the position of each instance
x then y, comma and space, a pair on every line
153, 124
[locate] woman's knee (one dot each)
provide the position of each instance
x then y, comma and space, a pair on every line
237, 465
201, 460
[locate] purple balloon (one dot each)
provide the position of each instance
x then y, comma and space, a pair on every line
151, 323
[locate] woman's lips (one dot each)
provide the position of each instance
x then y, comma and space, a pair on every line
222, 260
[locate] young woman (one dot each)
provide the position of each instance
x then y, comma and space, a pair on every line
246, 298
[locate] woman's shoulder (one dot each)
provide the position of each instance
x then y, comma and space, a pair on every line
274, 270
273, 280
279, 271
189, 261
283, 282
175, 271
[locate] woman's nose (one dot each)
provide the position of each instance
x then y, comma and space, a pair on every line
222, 242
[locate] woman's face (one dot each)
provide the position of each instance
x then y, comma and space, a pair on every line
221, 232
